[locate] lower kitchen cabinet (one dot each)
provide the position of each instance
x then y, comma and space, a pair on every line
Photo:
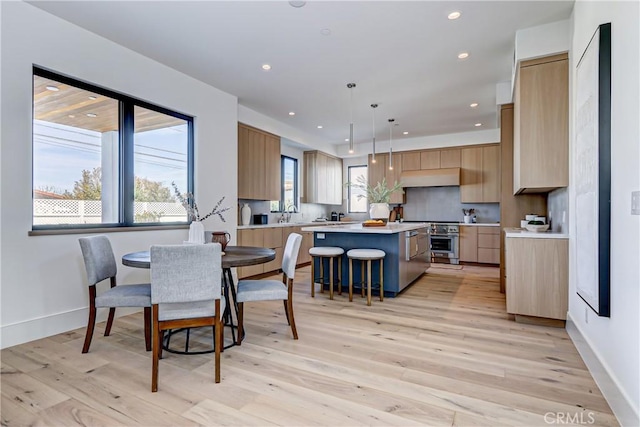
537, 276
480, 244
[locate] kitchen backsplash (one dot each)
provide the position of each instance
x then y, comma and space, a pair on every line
558, 208
306, 211
443, 204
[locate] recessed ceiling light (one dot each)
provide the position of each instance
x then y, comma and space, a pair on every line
405, 133
292, 113
346, 140
454, 15
53, 88
325, 32
297, 3
473, 105
93, 97
319, 126
463, 55
478, 124
266, 67
92, 115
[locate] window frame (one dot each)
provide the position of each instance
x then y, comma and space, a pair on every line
296, 187
349, 193
126, 105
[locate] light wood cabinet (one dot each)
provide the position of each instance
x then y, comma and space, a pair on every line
251, 237
411, 161
480, 175
512, 208
322, 178
430, 159
468, 243
380, 170
258, 164
450, 158
480, 244
541, 125
537, 277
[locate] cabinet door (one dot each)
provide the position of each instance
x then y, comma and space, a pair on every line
251, 237
258, 164
245, 174
469, 243
336, 198
396, 175
272, 168
411, 161
430, 159
491, 174
273, 237
471, 175
377, 170
450, 158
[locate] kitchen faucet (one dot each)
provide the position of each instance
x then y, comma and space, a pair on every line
288, 211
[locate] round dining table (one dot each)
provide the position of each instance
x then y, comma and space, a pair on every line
232, 256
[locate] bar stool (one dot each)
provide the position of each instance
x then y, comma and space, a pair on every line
366, 255
323, 252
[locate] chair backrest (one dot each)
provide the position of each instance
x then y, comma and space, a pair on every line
185, 273
290, 257
98, 258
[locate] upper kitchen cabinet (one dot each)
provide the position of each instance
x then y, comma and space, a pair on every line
480, 180
541, 130
258, 164
322, 178
431, 159
380, 170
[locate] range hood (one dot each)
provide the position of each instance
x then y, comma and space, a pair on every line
431, 177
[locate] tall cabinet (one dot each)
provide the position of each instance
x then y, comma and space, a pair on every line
480, 179
322, 178
380, 170
258, 164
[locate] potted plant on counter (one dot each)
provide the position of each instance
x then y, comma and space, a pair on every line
378, 196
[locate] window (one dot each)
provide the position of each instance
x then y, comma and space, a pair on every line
103, 159
357, 196
288, 185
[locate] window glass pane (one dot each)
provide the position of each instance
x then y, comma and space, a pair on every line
75, 136
161, 144
289, 181
357, 197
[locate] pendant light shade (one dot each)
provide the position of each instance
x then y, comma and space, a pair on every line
373, 115
390, 143
351, 86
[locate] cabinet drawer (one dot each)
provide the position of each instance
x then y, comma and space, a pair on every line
273, 237
489, 230
490, 241
489, 256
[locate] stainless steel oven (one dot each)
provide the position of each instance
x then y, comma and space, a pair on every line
444, 242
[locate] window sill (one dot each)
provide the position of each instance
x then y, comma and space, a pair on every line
92, 230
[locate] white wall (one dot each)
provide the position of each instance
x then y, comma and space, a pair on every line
43, 281
614, 340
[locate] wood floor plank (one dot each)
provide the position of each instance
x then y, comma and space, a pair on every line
442, 353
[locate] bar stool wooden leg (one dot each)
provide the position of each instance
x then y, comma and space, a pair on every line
313, 277
381, 279
331, 277
339, 260
362, 282
369, 282
321, 274
350, 280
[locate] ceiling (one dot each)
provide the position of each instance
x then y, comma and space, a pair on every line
401, 55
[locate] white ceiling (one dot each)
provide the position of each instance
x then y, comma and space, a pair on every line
401, 55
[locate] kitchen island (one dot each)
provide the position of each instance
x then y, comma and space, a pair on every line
406, 246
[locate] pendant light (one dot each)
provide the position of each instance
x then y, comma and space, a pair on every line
390, 142
373, 115
351, 86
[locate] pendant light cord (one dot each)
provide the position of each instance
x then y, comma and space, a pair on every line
373, 114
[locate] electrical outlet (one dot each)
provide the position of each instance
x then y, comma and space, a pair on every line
635, 203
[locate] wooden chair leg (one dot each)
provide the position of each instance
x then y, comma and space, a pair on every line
286, 311
350, 280
90, 326
112, 314
240, 321
369, 283
162, 343
157, 345
313, 278
147, 328
292, 322
218, 335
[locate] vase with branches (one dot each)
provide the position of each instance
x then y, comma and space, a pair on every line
377, 195
188, 202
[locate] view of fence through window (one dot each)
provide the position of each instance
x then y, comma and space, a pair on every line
76, 159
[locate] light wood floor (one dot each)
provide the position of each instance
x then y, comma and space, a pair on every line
441, 354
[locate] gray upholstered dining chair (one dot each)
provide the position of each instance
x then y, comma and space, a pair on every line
186, 290
268, 290
100, 265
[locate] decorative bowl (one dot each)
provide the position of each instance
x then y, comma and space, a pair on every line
537, 227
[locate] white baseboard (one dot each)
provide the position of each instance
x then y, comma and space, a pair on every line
46, 326
620, 404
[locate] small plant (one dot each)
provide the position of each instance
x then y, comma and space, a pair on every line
379, 193
188, 201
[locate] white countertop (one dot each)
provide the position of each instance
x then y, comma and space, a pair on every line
391, 228
481, 224
522, 233
291, 224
